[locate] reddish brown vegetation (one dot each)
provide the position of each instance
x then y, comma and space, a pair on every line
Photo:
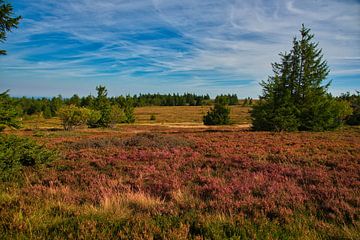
244, 173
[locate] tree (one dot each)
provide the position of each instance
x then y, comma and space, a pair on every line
294, 97
219, 115
103, 105
8, 114
7, 21
129, 110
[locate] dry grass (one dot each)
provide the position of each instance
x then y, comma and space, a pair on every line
187, 114
125, 202
172, 116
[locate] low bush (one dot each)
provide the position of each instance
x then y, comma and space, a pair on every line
72, 116
18, 153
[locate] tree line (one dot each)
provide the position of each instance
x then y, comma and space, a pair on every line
48, 107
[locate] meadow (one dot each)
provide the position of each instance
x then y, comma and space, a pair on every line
174, 178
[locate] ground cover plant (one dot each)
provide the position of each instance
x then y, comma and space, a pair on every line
156, 182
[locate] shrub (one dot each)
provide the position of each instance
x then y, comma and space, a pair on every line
219, 115
116, 115
17, 153
93, 119
72, 116
152, 117
354, 100
129, 114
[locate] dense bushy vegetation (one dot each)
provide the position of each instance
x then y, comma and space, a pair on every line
227, 99
72, 116
354, 100
218, 115
294, 99
18, 153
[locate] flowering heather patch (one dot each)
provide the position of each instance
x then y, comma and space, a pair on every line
188, 183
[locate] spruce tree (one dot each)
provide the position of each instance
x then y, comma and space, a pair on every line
7, 21
295, 98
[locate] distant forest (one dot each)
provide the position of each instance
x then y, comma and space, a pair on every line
49, 106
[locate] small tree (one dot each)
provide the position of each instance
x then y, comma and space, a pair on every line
116, 115
8, 114
294, 98
129, 110
72, 116
219, 115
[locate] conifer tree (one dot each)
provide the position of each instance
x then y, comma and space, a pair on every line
7, 22
295, 98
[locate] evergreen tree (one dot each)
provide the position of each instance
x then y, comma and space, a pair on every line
294, 97
103, 105
7, 22
8, 114
219, 115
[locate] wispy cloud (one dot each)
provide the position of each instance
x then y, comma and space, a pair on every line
166, 45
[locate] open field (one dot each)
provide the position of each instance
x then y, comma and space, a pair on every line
159, 182
187, 114
181, 115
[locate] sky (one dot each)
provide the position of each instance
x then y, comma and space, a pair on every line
168, 46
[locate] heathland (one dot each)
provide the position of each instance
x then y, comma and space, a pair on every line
174, 178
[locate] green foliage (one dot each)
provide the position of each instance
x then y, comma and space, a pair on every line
354, 100
116, 115
94, 117
47, 112
72, 116
7, 22
75, 100
219, 115
8, 114
294, 99
227, 99
17, 153
129, 114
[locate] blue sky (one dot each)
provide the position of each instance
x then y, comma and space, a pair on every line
146, 46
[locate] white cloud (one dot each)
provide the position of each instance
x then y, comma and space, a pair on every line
234, 40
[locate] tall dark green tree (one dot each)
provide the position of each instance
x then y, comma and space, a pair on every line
295, 97
7, 21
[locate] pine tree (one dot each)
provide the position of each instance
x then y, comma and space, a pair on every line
294, 97
219, 115
8, 114
7, 22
